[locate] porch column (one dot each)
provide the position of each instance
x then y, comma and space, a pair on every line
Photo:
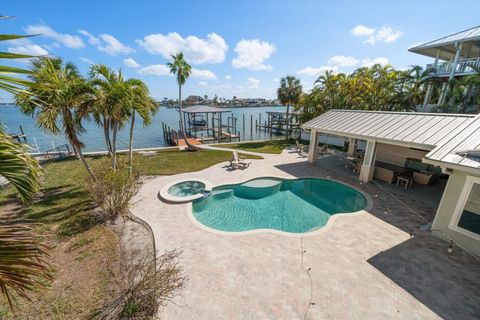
368, 166
453, 67
352, 146
429, 86
313, 148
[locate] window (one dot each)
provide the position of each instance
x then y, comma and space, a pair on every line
467, 215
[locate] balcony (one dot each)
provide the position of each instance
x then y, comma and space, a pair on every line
463, 67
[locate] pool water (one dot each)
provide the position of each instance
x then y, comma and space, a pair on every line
186, 188
295, 206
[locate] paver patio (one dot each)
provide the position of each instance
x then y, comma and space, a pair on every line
362, 266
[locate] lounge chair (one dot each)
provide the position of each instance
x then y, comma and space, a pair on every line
300, 147
238, 162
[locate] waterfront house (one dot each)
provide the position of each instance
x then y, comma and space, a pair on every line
456, 56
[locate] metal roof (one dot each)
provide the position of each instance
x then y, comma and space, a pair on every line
411, 129
462, 147
446, 45
204, 109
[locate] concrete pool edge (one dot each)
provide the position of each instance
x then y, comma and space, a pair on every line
310, 233
164, 195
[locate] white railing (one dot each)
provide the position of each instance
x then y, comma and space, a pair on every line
464, 66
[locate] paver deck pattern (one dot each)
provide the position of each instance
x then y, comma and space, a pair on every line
364, 266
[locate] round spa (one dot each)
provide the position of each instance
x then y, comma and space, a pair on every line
185, 190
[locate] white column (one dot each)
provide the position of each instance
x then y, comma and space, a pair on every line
352, 146
455, 61
453, 67
313, 148
429, 87
368, 166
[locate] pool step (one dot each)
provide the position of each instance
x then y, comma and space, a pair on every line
221, 194
258, 188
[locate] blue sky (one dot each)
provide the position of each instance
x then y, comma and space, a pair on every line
237, 48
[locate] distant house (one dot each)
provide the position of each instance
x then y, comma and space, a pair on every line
422, 146
456, 55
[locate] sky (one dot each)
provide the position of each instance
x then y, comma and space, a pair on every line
236, 48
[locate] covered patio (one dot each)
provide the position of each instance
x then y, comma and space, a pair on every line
396, 142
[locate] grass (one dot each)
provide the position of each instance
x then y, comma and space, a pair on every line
271, 146
79, 242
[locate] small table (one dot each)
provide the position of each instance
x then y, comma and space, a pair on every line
406, 181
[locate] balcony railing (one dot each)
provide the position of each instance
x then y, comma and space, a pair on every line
463, 67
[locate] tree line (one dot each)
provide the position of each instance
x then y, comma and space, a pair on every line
383, 88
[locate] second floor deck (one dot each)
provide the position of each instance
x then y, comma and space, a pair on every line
462, 68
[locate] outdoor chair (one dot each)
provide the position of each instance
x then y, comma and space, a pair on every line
238, 162
300, 147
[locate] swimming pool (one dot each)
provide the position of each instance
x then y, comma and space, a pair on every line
295, 206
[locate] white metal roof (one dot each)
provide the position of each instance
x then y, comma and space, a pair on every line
204, 109
462, 147
446, 45
411, 129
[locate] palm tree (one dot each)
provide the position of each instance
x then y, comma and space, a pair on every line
288, 94
60, 93
144, 105
180, 67
23, 264
112, 105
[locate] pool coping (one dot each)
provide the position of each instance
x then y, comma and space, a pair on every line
164, 195
310, 233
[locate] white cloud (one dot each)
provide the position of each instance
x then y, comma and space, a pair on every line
251, 54
388, 34
312, 71
196, 50
29, 49
86, 60
155, 69
380, 60
253, 83
91, 38
202, 83
342, 61
129, 62
66, 39
385, 34
112, 46
203, 74
276, 80
228, 77
362, 30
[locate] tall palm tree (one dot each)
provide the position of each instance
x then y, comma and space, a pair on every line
112, 105
144, 105
23, 263
180, 67
289, 94
60, 93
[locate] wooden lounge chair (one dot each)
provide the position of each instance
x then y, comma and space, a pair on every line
238, 162
300, 147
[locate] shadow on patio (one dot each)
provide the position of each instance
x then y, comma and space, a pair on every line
448, 284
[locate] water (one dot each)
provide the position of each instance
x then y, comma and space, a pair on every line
267, 203
144, 137
186, 189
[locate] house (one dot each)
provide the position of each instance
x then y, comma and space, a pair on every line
425, 144
456, 56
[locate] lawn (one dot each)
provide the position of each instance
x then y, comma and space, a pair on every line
80, 244
271, 146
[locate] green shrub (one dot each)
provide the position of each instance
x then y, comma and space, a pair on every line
112, 190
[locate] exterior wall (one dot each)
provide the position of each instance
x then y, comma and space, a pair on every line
396, 154
446, 210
